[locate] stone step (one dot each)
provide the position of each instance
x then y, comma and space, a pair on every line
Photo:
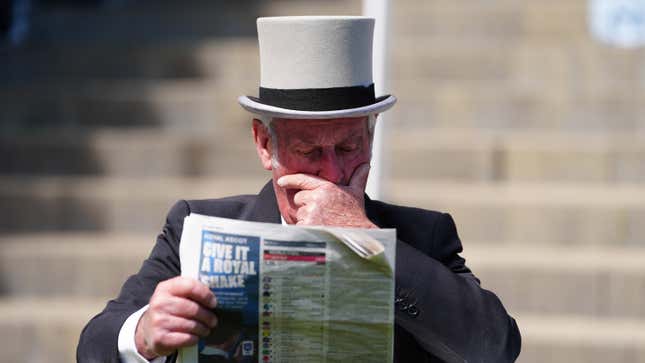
183, 106
449, 19
573, 339
106, 204
521, 21
553, 279
234, 58
139, 152
141, 22
522, 156
583, 66
537, 279
563, 213
34, 330
454, 107
67, 63
520, 92
70, 264
580, 66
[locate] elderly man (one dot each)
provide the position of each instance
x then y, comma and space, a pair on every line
313, 130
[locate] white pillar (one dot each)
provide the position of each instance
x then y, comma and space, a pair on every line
379, 10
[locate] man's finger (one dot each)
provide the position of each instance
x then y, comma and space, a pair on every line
174, 340
177, 306
301, 181
182, 325
359, 178
192, 289
301, 197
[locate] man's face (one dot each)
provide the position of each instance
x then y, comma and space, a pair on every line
330, 149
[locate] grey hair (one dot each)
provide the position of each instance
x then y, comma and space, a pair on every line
371, 125
267, 121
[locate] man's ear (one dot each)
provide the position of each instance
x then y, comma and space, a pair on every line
262, 139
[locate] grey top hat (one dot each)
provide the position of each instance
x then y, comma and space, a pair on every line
315, 67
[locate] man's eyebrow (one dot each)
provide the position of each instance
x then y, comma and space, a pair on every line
309, 139
300, 140
355, 135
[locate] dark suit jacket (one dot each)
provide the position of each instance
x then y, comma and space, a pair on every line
442, 313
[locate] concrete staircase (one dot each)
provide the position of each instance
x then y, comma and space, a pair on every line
510, 117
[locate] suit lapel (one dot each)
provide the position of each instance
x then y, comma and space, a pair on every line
266, 207
373, 213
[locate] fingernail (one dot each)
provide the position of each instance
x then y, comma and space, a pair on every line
280, 182
214, 322
213, 302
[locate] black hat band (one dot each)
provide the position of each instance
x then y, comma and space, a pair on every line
318, 99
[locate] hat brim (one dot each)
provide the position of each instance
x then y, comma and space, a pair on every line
253, 105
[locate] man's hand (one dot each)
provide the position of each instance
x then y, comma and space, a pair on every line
321, 202
178, 314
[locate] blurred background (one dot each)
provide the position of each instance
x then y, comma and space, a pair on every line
523, 119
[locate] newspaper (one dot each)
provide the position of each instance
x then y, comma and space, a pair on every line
292, 294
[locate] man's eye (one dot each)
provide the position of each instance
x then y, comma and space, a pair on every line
347, 148
306, 152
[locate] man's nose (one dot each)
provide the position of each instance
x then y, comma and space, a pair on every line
331, 168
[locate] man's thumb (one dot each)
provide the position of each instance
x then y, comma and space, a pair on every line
359, 178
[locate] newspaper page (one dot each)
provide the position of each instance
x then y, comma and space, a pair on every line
292, 294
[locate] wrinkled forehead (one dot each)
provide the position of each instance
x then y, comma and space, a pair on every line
313, 129
320, 131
